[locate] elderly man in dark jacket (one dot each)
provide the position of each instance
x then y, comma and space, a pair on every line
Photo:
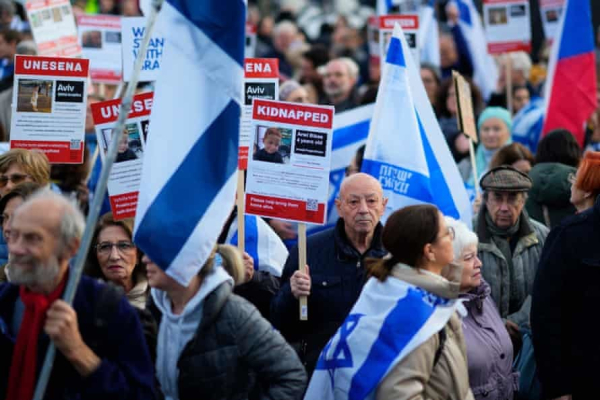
510, 244
335, 274
564, 311
101, 351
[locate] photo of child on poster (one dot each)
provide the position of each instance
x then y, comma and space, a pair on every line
130, 146
272, 145
34, 95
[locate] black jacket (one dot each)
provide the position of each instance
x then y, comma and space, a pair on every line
566, 294
234, 351
337, 274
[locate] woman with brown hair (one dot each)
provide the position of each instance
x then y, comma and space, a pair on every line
406, 319
516, 155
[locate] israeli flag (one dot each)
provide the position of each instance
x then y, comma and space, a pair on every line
528, 123
189, 177
261, 243
350, 131
429, 34
389, 320
485, 71
406, 150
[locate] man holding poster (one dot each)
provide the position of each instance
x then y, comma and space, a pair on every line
336, 275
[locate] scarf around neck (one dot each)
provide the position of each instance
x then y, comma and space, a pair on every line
501, 237
23, 369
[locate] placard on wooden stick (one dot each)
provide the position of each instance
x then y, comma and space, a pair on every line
464, 103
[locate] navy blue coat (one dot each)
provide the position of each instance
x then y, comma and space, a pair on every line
564, 310
112, 330
338, 276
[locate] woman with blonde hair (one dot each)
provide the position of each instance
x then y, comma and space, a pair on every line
213, 344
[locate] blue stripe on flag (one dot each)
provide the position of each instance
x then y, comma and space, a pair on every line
250, 238
396, 332
214, 18
395, 55
400, 180
443, 197
464, 12
578, 35
351, 134
209, 157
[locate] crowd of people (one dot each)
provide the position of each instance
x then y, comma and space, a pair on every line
525, 273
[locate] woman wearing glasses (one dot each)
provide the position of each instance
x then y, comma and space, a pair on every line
19, 165
114, 258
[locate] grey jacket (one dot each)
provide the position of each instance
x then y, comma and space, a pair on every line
526, 255
235, 351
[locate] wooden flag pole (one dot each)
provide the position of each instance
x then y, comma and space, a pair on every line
240, 202
302, 267
92, 218
509, 85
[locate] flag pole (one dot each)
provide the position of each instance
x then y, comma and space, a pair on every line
240, 200
92, 218
302, 267
509, 85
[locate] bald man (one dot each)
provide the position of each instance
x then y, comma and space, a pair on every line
335, 274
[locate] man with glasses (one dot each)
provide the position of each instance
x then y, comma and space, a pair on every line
335, 274
510, 244
101, 351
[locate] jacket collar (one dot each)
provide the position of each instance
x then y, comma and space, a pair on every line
346, 251
476, 296
525, 234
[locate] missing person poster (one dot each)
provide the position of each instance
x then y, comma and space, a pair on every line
288, 173
410, 26
261, 81
551, 11
126, 172
133, 30
53, 27
507, 25
49, 106
100, 39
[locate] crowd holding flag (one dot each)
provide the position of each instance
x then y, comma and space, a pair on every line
217, 162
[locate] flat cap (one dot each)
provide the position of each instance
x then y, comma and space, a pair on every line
506, 179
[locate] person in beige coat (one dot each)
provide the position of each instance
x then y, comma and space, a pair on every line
421, 246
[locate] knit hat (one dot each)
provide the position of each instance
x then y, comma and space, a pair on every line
495, 112
287, 88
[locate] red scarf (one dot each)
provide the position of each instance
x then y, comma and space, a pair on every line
23, 368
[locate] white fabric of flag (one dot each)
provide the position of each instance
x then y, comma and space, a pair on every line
406, 150
189, 175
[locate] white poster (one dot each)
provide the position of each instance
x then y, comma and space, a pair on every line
133, 30
288, 173
100, 39
507, 25
53, 27
551, 11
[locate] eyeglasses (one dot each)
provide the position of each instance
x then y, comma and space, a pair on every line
572, 178
123, 247
449, 232
14, 178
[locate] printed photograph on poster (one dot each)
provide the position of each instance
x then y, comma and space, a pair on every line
130, 146
553, 15
498, 16
34, 95
272, 144
288, 176
91, 40
112, 37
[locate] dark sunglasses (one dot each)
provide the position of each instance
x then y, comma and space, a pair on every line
14, 178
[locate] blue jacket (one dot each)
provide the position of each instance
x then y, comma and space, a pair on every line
338, 276
110, 327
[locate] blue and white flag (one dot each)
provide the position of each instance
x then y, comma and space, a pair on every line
528, 124
485, 71
406, 150
189, 177
350, 131
389, 320
261, 243
429, 35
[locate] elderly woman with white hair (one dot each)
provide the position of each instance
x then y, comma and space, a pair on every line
489, 348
